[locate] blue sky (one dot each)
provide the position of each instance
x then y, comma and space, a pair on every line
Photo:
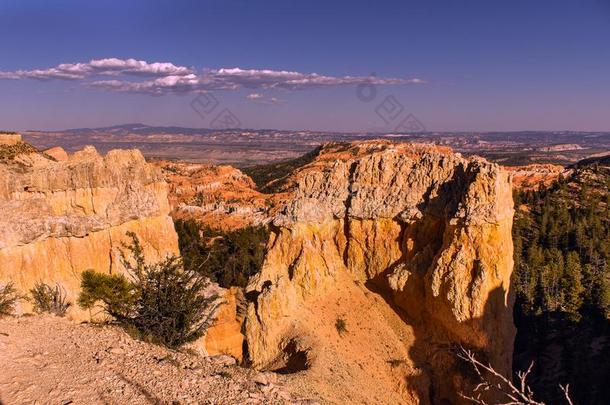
455, 65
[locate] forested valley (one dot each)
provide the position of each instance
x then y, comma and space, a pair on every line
562, 284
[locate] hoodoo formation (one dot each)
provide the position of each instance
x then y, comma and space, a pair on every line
387, 259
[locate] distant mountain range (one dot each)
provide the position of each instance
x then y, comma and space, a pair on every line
247, 147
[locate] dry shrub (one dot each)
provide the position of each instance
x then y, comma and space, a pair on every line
341, 326
8, 299
51, 300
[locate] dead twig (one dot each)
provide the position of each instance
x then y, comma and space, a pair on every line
493, 381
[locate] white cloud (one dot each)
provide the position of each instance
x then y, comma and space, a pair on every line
131, 75
269, 79
138, 67
100, 67
262, 99
162, 85
46, 74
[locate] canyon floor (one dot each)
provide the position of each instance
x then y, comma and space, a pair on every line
50, 360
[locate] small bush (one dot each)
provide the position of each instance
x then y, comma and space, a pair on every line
115, 292
395, 362
163, 301
8, 299
47, 299
341, 326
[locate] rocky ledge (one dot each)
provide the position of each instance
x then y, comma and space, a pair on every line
63, 216
387, 258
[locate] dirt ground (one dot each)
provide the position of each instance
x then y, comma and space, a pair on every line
50, 360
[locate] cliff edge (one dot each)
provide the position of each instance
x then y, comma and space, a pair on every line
61, 217
387, 258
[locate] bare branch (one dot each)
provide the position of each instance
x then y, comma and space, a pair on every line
566, 393
502, 385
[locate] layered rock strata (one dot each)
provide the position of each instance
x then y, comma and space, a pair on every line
60, 218
388, 258
220, 197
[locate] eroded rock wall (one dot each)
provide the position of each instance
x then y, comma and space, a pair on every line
374, 226
60, 218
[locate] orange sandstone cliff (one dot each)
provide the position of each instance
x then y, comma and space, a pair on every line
63, 216
388, 257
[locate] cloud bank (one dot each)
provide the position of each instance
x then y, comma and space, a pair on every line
159, 78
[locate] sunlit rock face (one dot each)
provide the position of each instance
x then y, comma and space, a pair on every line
219, 197
9, 139
225, 336
63, 216
409, 248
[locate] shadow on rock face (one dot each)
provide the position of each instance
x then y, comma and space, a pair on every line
295, 359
